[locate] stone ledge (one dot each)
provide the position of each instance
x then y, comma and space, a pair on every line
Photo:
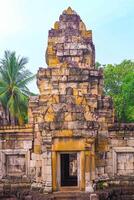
121, 127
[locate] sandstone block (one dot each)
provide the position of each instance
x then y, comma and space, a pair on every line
88, 116
37, 149
68, 116
130, 142
75, 92
27, 144
56, 25
64, 133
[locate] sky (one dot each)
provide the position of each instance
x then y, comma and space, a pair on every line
24, 26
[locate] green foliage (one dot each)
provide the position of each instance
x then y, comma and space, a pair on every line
101, 185
97, 65
119, 84
14, 92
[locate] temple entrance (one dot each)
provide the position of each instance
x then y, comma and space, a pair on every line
68, 164
68, 169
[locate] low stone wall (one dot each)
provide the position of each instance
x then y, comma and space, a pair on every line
16, 143
116, 152
121, 193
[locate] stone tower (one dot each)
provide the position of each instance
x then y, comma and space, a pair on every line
69, 43
71, 110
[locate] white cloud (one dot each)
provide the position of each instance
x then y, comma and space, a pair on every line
11, 20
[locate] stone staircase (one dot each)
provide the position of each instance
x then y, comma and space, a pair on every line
74, 196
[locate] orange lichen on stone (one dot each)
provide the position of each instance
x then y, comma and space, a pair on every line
37, 149
53, 61
49, 117
87, 34
79, 100
50, 50
69, 11
56, 25
88, 116
53, 99
64, 133
68, 117
75, 92
82, 26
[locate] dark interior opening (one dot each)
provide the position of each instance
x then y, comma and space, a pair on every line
68, 169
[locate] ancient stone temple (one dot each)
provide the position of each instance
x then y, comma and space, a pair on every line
71, 140
71, 110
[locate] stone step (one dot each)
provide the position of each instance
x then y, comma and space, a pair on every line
74, 196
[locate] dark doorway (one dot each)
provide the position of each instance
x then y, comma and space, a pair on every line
68, 169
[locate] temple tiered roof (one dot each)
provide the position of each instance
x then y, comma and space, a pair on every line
70, 43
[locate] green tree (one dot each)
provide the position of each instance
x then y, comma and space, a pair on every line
119, 84
14, 93
97, 65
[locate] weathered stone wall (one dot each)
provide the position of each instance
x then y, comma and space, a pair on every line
120, 158
15, 146
117, 161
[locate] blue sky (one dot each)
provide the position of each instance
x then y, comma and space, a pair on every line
24, 26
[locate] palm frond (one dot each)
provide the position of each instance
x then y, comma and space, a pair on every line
14, 78
26, 81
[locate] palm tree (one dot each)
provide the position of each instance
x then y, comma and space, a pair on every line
14, 92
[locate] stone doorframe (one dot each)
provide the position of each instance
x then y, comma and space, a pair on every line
78, 168
117, 150
59, 168
79, 146
8, 152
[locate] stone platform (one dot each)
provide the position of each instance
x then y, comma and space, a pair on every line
118, 193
